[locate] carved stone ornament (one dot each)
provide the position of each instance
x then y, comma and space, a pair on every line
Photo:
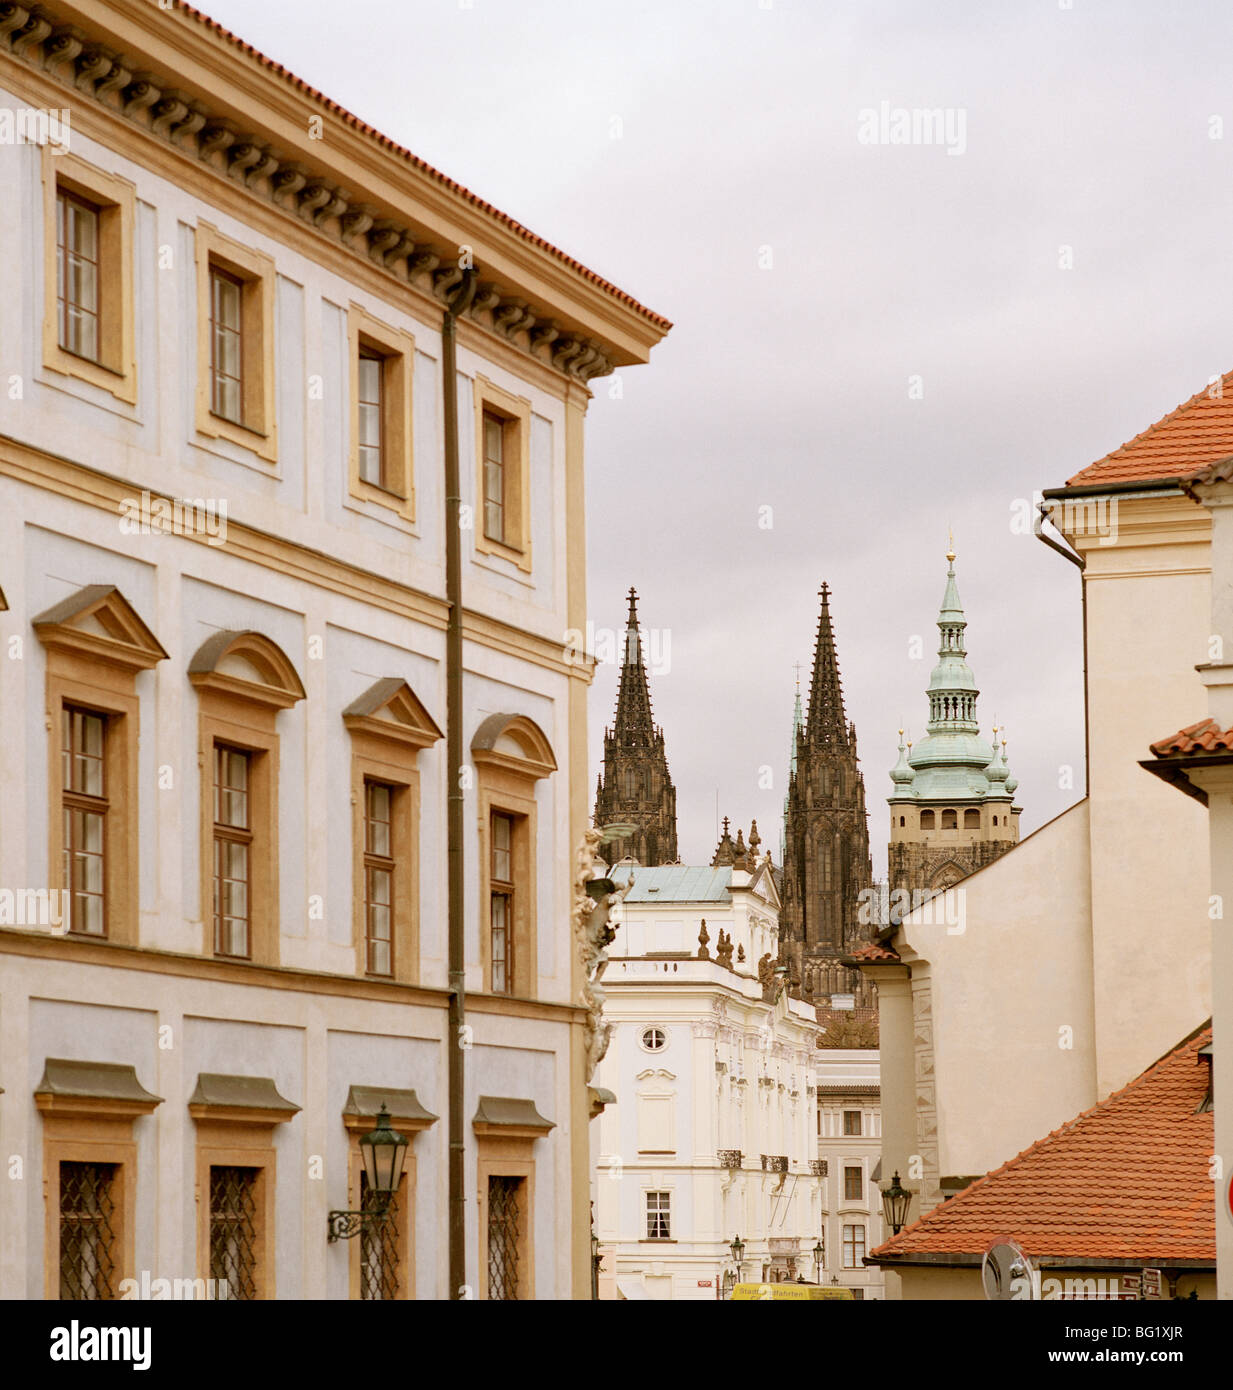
593, 933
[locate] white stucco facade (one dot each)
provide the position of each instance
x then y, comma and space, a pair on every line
715, 1125
351, 592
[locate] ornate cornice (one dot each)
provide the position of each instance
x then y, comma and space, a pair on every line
35, 36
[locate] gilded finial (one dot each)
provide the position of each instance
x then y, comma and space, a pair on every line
950, 550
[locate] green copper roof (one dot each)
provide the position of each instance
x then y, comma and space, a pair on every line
952, 762
676, 883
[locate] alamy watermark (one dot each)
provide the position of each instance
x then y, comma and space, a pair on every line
186, 1290
36, 125
35, 907
611, 647
930, 907
175, 516
918, 125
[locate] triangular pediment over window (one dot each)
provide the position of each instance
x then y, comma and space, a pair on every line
247, 664
391, 709
99, 621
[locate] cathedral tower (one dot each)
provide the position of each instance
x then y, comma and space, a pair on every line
635, 788
826, 838
952, 809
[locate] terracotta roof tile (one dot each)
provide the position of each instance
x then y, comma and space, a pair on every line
341, 111
1204, 737
874, 952
1126, 1180
1192, 437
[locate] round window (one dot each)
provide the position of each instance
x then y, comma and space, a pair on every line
654, 1039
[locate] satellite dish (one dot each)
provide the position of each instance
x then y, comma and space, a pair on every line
1007, 1273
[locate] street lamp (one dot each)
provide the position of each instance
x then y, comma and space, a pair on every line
597, 1259
895, 1203
738, 1251
382, 1151
817, 1262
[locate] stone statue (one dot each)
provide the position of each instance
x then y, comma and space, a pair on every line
594, 930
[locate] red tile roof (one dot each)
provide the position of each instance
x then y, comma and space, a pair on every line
341, 111
1204, 737
874, 953
1126, 1180
1198, 433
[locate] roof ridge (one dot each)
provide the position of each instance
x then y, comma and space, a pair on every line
960, 1198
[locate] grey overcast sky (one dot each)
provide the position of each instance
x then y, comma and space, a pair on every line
706, 157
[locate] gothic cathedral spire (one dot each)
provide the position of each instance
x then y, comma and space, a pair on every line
826, 838
635, 788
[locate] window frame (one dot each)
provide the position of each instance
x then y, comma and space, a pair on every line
515, 414
859, 1248
65, 199
242, 714
368, 335
859, 1131
74, 800
114, 370
95, 645
506, 783
848, 1170
504, 890
228, 832
661, 1213
389, 727
257, 429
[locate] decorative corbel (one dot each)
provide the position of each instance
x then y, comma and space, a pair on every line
169, 111
12, 18
116, 79
487, 296
287, 182
62, 47
140, 94
34, 31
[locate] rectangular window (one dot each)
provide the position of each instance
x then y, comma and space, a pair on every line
853, 1187
852, 1122
77, 275
371, 430
506, 1197
89, 1248
233, 1231
233, 843
501, 883
83, 736
494, 477
379, 1275
659, 1216
379, 876
226, 346
858, 1295
853, 1247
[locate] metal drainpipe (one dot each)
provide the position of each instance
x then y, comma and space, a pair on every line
1081, 564
457, 304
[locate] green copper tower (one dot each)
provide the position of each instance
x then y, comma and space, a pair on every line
952, 808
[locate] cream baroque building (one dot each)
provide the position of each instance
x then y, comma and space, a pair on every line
849, 1159
229, 924
712, 1061
1027, 993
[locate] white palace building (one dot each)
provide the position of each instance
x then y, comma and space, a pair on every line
716, 1134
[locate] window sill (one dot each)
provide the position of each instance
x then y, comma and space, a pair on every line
657, 1240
